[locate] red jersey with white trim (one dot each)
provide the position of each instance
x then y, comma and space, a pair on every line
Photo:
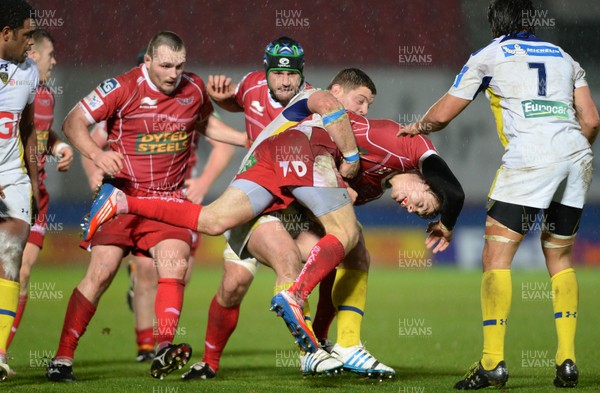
260, 108
42, 120
152, 130
384, 155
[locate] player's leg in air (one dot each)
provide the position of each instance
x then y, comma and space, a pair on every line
336, 214
348, 296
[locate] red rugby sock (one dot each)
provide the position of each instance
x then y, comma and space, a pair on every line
323, 258
79, 314
17, 320
144, 338
169, 210
325, 308
167, 307
221, 324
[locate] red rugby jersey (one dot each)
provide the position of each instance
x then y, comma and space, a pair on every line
383, 155
260, 108
154, 131
43, 118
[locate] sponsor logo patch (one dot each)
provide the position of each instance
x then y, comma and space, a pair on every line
257, 108
530, 50
93, 101
543, 108
185, 100
162, 142
108, 86
148, 103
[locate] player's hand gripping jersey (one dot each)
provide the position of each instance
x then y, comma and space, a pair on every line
530, 86
152, 130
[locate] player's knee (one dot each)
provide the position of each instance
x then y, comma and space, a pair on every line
349, 237
230, 294
358, 259
556, 246
11, 254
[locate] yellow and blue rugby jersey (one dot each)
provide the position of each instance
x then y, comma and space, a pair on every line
530, 84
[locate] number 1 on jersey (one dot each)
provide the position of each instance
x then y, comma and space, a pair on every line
541, 70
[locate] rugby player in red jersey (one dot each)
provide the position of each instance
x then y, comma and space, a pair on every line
262, 95
269, 182
152, 113
48, 143
142, 273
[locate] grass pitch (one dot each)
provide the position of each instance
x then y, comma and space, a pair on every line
425, 323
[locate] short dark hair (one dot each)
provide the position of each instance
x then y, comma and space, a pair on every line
508, 17
14, 13
168, 38
353, 78
39, 35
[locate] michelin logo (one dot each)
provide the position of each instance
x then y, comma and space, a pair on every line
529, 50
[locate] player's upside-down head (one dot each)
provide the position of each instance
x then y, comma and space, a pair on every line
413, 193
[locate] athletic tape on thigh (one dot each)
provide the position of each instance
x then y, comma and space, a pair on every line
498, 238
550, 244
251, 264
333, 116
10, 255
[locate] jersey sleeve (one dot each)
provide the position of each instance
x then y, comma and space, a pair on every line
419, 148
241, 89
578, 74
206, 109
35, 81
473, 77
104, 100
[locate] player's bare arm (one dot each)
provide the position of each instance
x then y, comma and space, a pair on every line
216, 129
438, 116
221, 91
587, 113
29, 140
93, 173
220, 157
75, 128
337, 124
61, 150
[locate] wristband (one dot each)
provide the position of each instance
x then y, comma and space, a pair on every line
444, 228
331, 117
353, 156
59, 147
